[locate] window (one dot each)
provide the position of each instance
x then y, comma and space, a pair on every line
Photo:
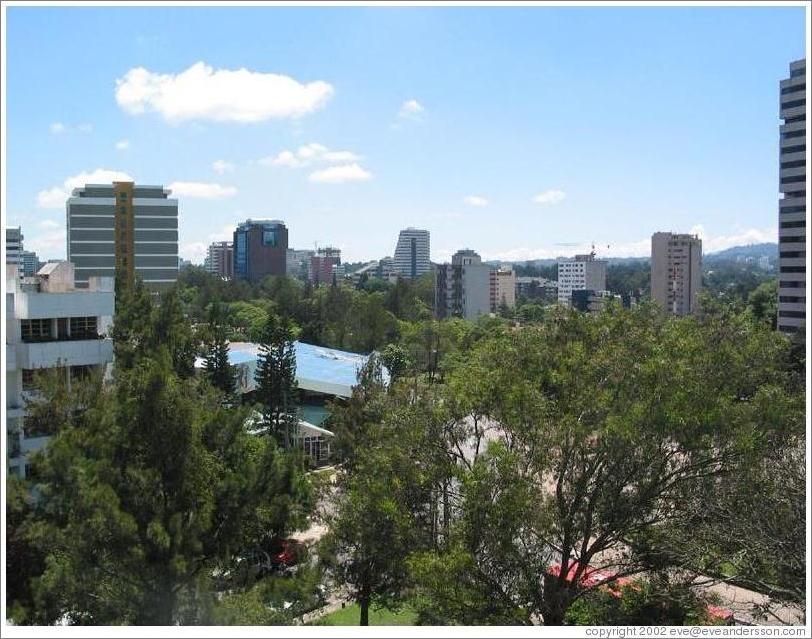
792, 299
269, 238
785, 239
794, 149
83, 328
793, 165
789, 254
793, 269
80, 373
793, 89
793, 103
790, 284
796, 223
793, 178
800, 314
36, 330
793, 134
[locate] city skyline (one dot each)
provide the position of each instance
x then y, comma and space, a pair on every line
352, 133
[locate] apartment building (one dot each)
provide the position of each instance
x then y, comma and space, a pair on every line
125, 228
260, 249
792, 205
14, 245
412, 253
29, 263
503, 288
326, 264
50, 324
297, 263
463, 287
582, 272
676, 272
220, 259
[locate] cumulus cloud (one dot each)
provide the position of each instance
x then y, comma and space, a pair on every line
123, 145
742, 237
411, 110
552, 196
203, 190
49, 244
221, 166
476, 200
58, 128
49, 224
222, 95
54, 198
195, 252
309, 154
340, 173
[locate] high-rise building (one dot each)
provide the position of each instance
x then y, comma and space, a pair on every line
503, 288
412, 253
792, 205
676, 272
260, 249
220, 259
298, 263
50, 325
29, 263
463, 288
324, 265
14, 245
125, 228
582, 272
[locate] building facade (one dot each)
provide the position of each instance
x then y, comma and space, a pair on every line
50, 324
537, 288
589, 301
14, 245
676, 272
503, 288
463, 288
29, 263
125, 228
792, 205
298, 263
220, 259
412, 253
582, 272
326, 264
260, 249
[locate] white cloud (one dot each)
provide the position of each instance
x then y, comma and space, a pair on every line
340, 173
203, 190
54, 198
193, 251
57, 128
203, 93
742, 237
411, 110
85, 128
221, 166
123, 145
49, 224
309, 154
49, 244
552, 196
476, 200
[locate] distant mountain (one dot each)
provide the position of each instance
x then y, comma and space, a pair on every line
766, 249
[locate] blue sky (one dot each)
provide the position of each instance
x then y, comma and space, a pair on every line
518, 132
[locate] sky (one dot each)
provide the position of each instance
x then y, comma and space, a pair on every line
522, 133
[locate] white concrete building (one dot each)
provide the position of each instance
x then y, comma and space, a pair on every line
463, 288
582, 272
503, 288
220, 259
792, 205
412, 253
50, 324
297, 263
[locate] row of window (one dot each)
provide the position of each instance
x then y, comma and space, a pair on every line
792, 299
795, 148
791, 284
793, 178
799, 314
77, 373
800, 133
40, 330
793, 103
794, 224
791, 254
789, 239
794, 164
793, 89
793, 209
793, 269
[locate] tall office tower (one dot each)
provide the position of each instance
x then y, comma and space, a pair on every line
463, 288
792, 205
324, 265
676, 272
125, 228
220, 259
503, 288
29, 263
260, 249
14, 245
412, 253
582, 272
50, 325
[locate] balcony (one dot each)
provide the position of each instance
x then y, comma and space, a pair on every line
73, 352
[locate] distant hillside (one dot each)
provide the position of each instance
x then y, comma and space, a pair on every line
766, 249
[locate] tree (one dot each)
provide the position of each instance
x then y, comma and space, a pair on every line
147, 489
604, 430
218, 370
763, 302
276, 380
396, 360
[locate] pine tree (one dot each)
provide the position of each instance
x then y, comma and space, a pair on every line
218, 370
276, 379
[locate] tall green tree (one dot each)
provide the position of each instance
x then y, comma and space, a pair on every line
147, 489
218, 370
276, 379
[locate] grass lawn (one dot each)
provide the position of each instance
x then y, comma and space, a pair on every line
350, 616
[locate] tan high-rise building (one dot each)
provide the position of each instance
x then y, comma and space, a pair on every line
676, 271
503, 288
